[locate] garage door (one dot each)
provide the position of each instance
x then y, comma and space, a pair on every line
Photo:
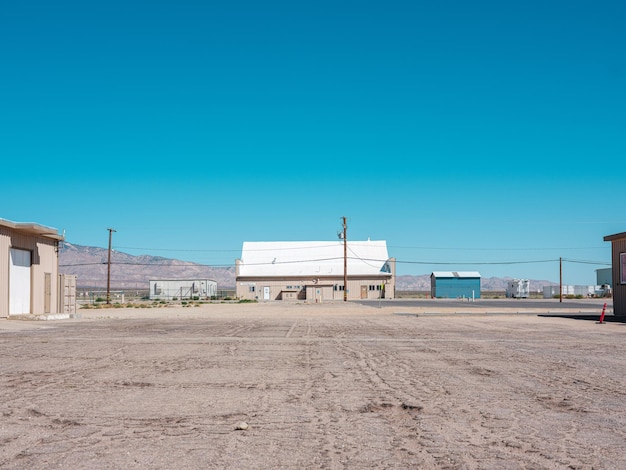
19, 282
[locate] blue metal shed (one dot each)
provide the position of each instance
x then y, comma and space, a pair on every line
453, 284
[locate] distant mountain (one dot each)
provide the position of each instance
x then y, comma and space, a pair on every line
89, 264
422, 283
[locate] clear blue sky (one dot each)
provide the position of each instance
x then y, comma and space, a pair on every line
460, 132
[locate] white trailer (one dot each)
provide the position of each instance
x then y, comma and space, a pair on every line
178, 289
518, 289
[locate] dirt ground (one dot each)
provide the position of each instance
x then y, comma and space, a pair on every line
332, 386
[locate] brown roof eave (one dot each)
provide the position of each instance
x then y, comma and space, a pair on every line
617, 236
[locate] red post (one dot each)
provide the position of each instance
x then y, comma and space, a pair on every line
602, 315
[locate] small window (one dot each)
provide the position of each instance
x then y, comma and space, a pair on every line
251, 288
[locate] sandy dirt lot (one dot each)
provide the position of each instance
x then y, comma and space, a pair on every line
337, 386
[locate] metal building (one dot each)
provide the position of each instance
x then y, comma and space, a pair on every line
313, 271
604, 276
618, 261
454, 284
555, 291
29, 269
179, 289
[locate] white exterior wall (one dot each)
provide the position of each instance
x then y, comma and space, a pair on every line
314, 270
314, 290
168, 289
550, 292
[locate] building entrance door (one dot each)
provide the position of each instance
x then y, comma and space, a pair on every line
364, 292
19, 282
266, 293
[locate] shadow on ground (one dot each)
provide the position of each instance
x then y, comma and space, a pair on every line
595, 318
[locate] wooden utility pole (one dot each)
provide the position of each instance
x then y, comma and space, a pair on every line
109, 267
560, 279
345, 260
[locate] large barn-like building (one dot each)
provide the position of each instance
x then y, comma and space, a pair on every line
314, 271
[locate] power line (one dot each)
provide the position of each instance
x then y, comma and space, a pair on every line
498, 249
365, 260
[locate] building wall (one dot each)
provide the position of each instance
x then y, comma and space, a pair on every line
551, 292
619, 289
452, 288
168, 289
314, 289
44, 260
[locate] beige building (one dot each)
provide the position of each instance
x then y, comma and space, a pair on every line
29, 270
314, 271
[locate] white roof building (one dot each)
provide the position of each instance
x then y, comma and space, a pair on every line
306, 263
312, 258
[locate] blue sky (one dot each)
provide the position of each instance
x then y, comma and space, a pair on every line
468, 135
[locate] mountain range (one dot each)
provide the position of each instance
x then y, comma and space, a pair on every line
90, 264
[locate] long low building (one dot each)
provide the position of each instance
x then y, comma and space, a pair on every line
178, 289
313, 271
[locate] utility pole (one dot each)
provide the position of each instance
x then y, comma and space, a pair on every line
109, 267
560, 279
345, 260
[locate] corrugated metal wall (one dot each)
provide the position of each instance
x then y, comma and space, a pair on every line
619, 290
44, 260
453, 288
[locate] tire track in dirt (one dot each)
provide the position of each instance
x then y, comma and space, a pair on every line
317, 393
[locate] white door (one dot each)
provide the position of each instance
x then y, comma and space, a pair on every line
19, 282
266, 293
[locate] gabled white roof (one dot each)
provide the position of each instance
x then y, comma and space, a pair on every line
281, 259
460, 274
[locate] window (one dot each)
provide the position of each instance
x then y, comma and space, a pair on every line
622, 268
251, 288
338, 287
